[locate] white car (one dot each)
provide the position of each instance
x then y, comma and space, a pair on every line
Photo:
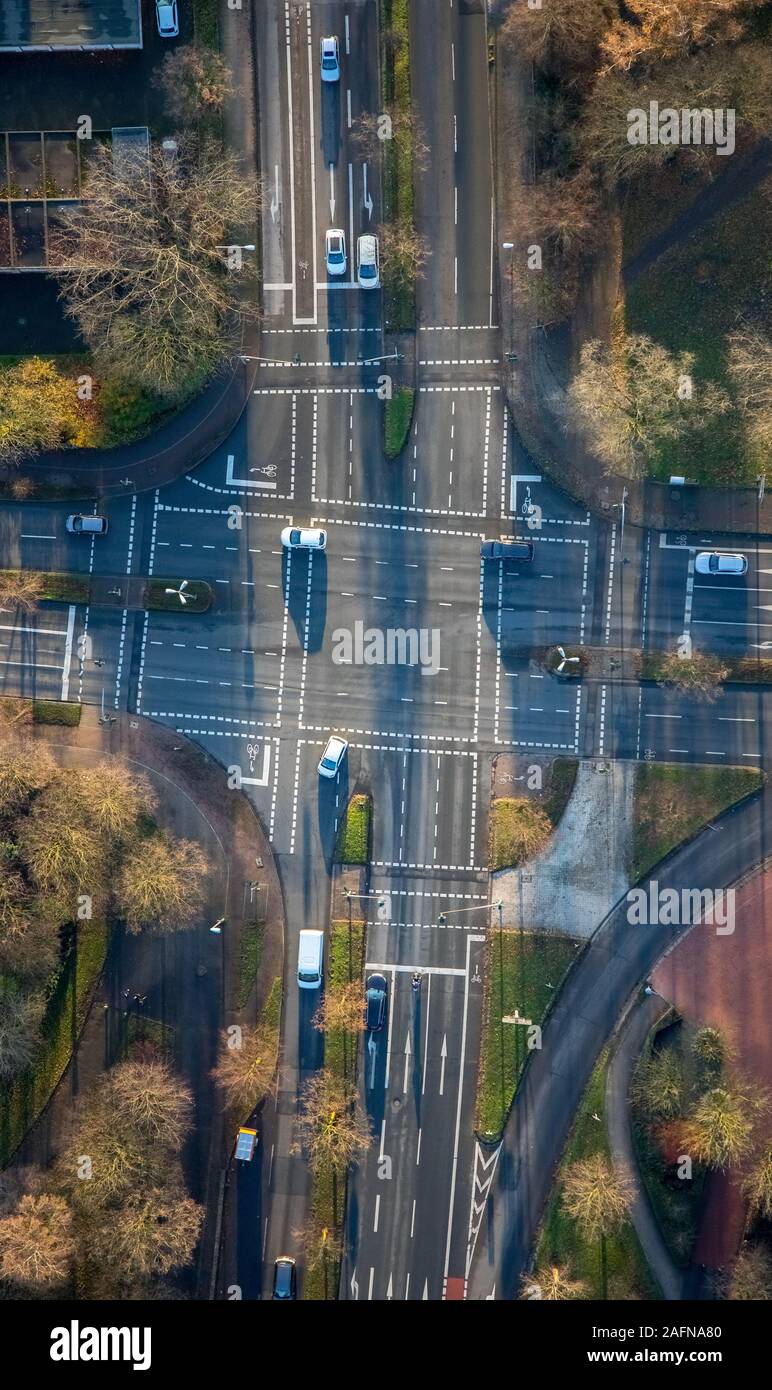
303, 538
713, 562
330, 60
335, 251
332, 757
367, 262
90, 525
167, 19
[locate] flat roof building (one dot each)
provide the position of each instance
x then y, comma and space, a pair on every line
50, 25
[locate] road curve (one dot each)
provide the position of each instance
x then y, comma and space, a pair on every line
617, 961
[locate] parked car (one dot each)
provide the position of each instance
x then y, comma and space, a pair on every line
713, 562
284, 1278
335, 251
330, 59
333, 756
521, 551
78, 525
304, 538
376, 996
167, 18
368, 277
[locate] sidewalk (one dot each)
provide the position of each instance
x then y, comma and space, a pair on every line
536, 382
634, 1029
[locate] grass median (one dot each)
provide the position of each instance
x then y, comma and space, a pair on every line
521, 827
397, 419
524, 971
673, 801
353, 844
398, 153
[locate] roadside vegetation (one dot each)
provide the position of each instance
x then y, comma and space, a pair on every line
397, 419
246, 1066
334, 1129
692, 1111
112, 1219
353, 843
523, 976
677, 383
402, 250
521, 827
586, 1233
673, 801
78, 851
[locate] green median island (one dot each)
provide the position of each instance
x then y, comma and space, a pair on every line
178, 595
26, 588
353, 844
397, 418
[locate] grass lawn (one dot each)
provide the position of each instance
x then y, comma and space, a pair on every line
519, 968
56, 712
206, 27
249, 958
345, 962
397, 418
59, 588
198, 596
689, 300
22, 1102
520, 826
560, 1240
673, 801
353, 844
398, 171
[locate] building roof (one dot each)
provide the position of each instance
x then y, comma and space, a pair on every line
52, 24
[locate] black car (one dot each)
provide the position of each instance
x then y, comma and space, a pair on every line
376, 995
284, 1278
522, 551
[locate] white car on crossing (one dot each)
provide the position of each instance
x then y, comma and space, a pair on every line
332, 757
304, 538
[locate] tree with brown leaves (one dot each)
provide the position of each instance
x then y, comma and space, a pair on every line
332, 1127
246, 1066
194, 80
598, 1196
160, 883
37, 1243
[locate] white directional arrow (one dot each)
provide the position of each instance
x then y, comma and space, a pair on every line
389, 1293
425, 1294
275, 194
332, 193
443, 1055
373, 1050
407, 1061
354, 1284
368, 202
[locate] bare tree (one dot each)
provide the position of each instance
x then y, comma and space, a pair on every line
64, 854
757, 1186
710, 1048
636, 395
20, 589
21, 1012
597, 1196
658, 1086
341, 1009
160, 883
36, 1243
557, 34
25, 767
113, 796
331, 1126
700, 674
404, 253
39, 409
246, 1072
552, 1282
146, 280
371, 131
153, 1231
752, 1277
722, 1124
659, 31
560, 219
148, 1100
194, 81
750, 366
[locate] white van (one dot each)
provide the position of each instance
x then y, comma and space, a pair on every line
310, 959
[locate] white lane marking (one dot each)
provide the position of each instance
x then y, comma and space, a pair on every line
68, 652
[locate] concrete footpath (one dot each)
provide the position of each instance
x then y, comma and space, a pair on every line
642, 1016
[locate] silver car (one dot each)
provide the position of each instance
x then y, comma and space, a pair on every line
714, 562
